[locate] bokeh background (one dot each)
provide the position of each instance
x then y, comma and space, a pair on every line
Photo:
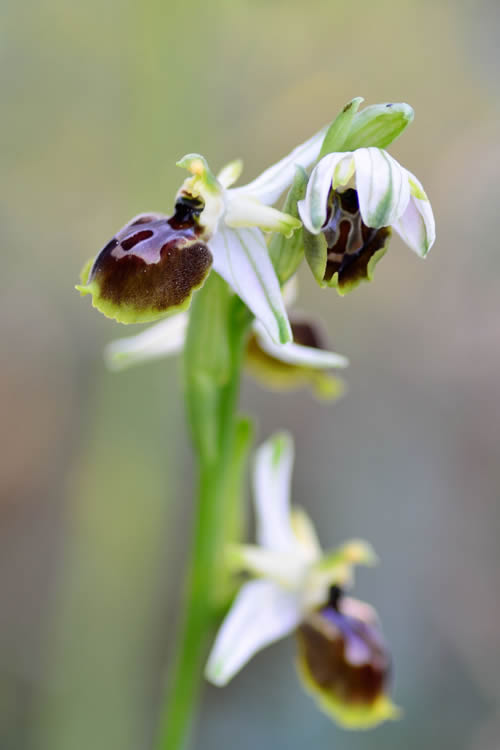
98, 102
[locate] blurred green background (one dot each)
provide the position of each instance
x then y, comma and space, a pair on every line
98, 102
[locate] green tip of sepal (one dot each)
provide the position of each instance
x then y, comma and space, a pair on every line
378, 125
338, 131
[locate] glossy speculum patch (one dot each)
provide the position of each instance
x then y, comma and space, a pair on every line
353, 248
344, 656
151, 266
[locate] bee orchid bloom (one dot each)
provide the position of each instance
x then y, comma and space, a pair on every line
151, 268
297, 589
303, 361
356, 223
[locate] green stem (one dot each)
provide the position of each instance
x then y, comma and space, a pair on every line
213, 362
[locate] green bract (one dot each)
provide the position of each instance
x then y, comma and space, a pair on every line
286, 253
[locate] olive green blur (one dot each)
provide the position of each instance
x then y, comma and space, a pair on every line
99, 101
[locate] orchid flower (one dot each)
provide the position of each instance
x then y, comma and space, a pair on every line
303, 361
297, 587
355, 224
152, 266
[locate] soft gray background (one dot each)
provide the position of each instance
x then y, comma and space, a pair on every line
99, 100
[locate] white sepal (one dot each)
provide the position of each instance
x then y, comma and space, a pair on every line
163, 339
241, 258
274, 181
296, 354
313, 209
382, 185
417, 226
261, 614
271, 490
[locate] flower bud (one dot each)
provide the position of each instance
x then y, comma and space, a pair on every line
344, 662
150, 268
346, 251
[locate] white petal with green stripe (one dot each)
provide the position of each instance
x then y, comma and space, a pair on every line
382, 185
241, 258
417, 226
272, 487
313, 209
296, 354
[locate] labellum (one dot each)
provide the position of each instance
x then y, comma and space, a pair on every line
151, 267
278, 375
353, 249
344, 662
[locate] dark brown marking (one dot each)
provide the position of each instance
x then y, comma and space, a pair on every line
306, 333
134, 240
351, 244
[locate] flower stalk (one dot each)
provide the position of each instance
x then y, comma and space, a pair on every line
217, 332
